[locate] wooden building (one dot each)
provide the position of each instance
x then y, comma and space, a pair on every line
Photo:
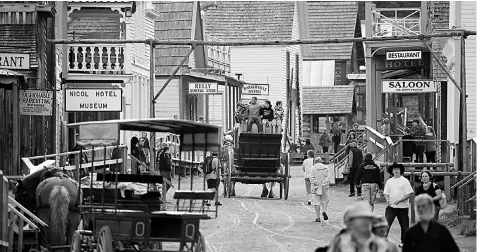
26, 126
327, 93
206, 64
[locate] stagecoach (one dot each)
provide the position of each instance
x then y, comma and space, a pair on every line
256, 158
114, 221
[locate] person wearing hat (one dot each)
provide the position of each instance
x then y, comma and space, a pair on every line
355, 159
380, 228
368, 177
358, 236
320, 183
397, 192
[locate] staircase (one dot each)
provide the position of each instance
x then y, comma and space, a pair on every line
340, 159
19, 228
401, 128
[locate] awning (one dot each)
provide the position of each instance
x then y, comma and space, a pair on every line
328, 100
8, 78
195, 134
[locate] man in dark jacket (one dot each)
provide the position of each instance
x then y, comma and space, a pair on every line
355, 158
165, 165
408, 146
368, 178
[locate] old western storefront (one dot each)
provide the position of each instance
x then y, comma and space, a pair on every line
27, 97
401, 85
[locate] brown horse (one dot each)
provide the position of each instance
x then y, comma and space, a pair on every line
56, 197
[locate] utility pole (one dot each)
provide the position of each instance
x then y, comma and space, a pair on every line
463, 107
152, 77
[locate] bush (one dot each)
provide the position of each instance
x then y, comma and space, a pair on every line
464, 225
467, 228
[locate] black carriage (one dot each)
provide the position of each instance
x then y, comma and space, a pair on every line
115, 221
257, 159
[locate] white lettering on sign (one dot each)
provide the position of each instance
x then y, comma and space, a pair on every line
409, 86
93, 100
36, 102
255, 89
203, 88
403, 55
14, 61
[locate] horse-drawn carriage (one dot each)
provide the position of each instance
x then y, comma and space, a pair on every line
118, 220
257, 159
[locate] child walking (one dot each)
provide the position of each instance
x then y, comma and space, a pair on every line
320, 186
307, 167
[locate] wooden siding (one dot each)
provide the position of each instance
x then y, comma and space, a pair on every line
468, 23
215, 107
168, 102
295, 50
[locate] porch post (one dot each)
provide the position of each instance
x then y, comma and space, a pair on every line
152, 142
16, 131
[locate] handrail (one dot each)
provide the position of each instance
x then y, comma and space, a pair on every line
12, 208
26, 211
463, 180
339, 153
75, 152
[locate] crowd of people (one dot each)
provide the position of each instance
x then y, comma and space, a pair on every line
260, 115
365, 230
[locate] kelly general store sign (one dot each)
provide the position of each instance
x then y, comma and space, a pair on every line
36, 102
98, 100
255, 89
203, 88
14, 61
409, 86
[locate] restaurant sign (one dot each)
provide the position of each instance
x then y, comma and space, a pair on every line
36, 102
404, 55
203, 88
409, 86
14, 61
97, 100
255, 89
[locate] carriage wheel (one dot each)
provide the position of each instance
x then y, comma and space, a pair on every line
287, 186
229, 184
105, 240
76, 242
200, 243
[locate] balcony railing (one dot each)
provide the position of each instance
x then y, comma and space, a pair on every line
396, 22
218, 58
96, 59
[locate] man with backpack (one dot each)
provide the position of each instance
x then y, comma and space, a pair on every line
211, 169
165, 166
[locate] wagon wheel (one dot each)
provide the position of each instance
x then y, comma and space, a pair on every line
200, 243
281, 182
287, 186
76, 242
228, 184
105, 240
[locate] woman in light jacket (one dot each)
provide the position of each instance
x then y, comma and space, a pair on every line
320, 183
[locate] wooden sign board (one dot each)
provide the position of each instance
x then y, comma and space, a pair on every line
14, 61
203, 88
409, 86
93, 99
255, 89
36, 102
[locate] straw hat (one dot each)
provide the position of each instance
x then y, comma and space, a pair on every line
358, 210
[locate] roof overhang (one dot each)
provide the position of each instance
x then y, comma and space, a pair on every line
8, 78
221, 79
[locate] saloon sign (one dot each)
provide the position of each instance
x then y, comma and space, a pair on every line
255, 89
409, 86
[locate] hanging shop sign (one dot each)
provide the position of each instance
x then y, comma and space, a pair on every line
36, 102
203, 88
404, 55
400, 64
255, 89
409, 86
14, 61
97, 100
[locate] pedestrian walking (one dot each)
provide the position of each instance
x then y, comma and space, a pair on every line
307, 167
368, 177
320, 183
397, 192
432, 189
381, 228
325, 140
355, 159
418, 132
427, 234
165, 165
358, 235
308, 146
353, 130
212, 176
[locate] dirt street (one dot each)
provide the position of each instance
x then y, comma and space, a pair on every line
248, 222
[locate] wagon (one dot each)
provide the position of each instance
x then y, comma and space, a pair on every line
114, 221
257, 159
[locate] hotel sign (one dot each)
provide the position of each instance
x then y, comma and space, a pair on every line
255, 89
404, 55
203, 88
409, 86
14, 61
97, 100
